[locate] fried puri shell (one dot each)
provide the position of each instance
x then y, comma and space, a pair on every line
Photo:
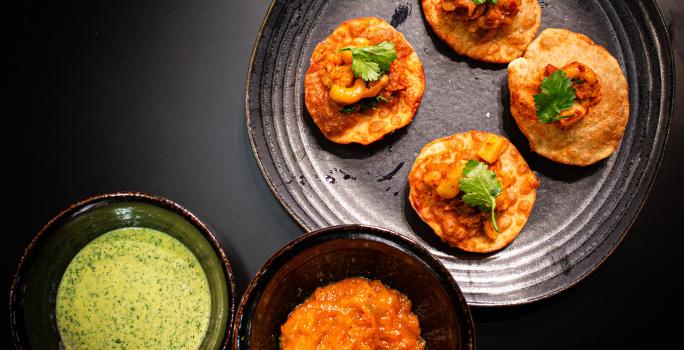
598, 134
500, 45
367, 126
455, 222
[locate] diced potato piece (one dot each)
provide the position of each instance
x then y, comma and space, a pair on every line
449, 187
456, 172
432, 178
361, 42
447, 190
347, 56
491, 148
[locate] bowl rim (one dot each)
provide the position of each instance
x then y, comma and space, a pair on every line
78, 207
354, 232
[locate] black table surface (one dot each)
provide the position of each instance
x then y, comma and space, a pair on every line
149, 96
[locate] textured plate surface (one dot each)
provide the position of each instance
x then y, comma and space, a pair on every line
581, 214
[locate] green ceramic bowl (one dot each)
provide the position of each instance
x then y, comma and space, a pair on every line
34, 288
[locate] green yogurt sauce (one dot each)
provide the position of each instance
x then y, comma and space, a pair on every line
133, 288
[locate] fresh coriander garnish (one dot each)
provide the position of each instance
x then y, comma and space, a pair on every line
480, 186
372, 102
364, 104
370, 62
556, 95
349, 109
480, 2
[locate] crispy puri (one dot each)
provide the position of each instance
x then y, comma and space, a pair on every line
452, 220
403, 91
491, 33
598, 133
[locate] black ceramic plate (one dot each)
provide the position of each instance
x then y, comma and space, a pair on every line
581, 214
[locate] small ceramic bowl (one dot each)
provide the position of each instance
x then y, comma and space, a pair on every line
34, 288
333, 254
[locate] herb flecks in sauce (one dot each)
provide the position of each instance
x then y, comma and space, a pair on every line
133, 288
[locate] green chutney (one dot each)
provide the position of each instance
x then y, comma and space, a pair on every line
133, 288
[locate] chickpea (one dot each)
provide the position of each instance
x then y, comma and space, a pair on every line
432, 178
360, 42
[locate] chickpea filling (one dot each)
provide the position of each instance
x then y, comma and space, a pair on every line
348, 91
441, 180
587, 91
486, 16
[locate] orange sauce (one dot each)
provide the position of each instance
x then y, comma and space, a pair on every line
355, 314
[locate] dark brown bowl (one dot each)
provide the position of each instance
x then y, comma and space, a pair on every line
332, 254
34, 288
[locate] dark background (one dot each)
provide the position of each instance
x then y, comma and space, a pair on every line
149, 96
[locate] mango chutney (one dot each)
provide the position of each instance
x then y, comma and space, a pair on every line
355, 313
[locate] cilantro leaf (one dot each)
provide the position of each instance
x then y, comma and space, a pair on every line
480, 2
364, 104
372, 102
349, 109
370, 62
480, 187
556, 95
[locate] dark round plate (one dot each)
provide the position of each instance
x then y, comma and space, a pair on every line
581, 214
